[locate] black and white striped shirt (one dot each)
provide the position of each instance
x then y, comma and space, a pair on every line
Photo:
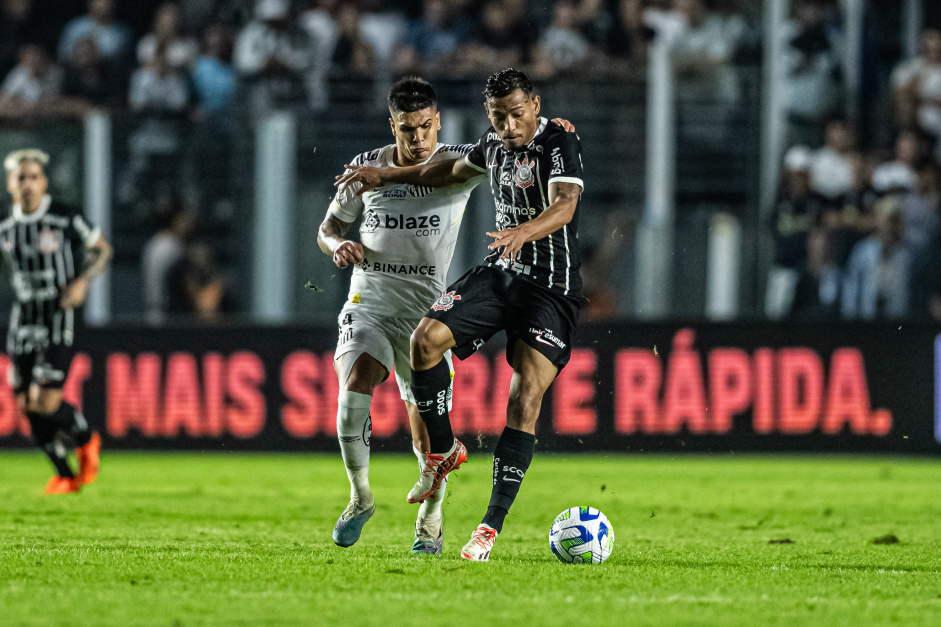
519, 182
44, 252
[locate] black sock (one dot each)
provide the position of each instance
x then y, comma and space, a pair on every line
44, 430
511, 460
432, 391
73, 422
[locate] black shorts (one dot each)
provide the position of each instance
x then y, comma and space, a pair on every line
46, 367
487, 299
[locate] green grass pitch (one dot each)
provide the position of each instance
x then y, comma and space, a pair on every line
244, 539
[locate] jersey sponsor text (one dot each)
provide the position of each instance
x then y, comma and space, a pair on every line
400, 268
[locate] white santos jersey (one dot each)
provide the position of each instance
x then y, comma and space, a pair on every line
408, 234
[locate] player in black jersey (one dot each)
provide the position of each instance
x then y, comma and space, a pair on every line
528, 286
52, 254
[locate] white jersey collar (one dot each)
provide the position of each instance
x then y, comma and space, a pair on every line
19, 216
391, 158
543, 123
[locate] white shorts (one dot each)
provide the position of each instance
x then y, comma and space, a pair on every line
385, 339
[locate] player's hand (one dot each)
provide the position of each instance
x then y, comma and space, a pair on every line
567, 126
348, 252
510, 240
74, 294
368, 177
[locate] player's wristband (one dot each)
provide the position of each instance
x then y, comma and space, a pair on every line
340, 247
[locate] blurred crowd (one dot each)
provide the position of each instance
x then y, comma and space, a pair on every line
858, 232
181, 274
201, 56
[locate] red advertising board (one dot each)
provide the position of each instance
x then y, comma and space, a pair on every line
719, 387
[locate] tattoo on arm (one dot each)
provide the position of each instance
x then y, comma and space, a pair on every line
334, 227
563, 192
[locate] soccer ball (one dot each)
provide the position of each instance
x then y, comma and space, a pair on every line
581, 535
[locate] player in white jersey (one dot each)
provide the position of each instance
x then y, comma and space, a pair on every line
407, 234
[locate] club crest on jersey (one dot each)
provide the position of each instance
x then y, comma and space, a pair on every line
446, 301
370, 221
524, 177
48, 241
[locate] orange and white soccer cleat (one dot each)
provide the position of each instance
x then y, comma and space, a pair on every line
62, 485
434, 469
479, 546
88, 462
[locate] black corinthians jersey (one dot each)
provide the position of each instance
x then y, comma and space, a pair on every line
44, 252
519, 182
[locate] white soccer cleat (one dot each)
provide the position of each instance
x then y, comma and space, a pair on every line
479, 546
434, 468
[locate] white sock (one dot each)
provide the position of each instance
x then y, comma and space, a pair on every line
430, 508
353, 430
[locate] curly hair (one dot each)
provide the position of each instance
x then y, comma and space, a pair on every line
505, 82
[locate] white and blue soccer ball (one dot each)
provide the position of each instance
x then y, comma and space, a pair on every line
581, 535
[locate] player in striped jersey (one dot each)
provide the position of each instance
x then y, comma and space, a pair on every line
528, 285
53, 254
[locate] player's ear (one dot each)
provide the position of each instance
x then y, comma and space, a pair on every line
392, 125
536, 104
438, 119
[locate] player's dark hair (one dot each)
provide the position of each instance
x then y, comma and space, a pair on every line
505, 82
411, 93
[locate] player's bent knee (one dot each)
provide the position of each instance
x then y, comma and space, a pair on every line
359, 385
428, 344
423, 351
49, 405
45, 402
365, 374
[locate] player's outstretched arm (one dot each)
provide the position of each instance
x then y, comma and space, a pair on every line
563, 199
438, 174
97, 257
330, 238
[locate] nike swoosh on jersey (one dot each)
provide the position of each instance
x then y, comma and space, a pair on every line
539, 338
